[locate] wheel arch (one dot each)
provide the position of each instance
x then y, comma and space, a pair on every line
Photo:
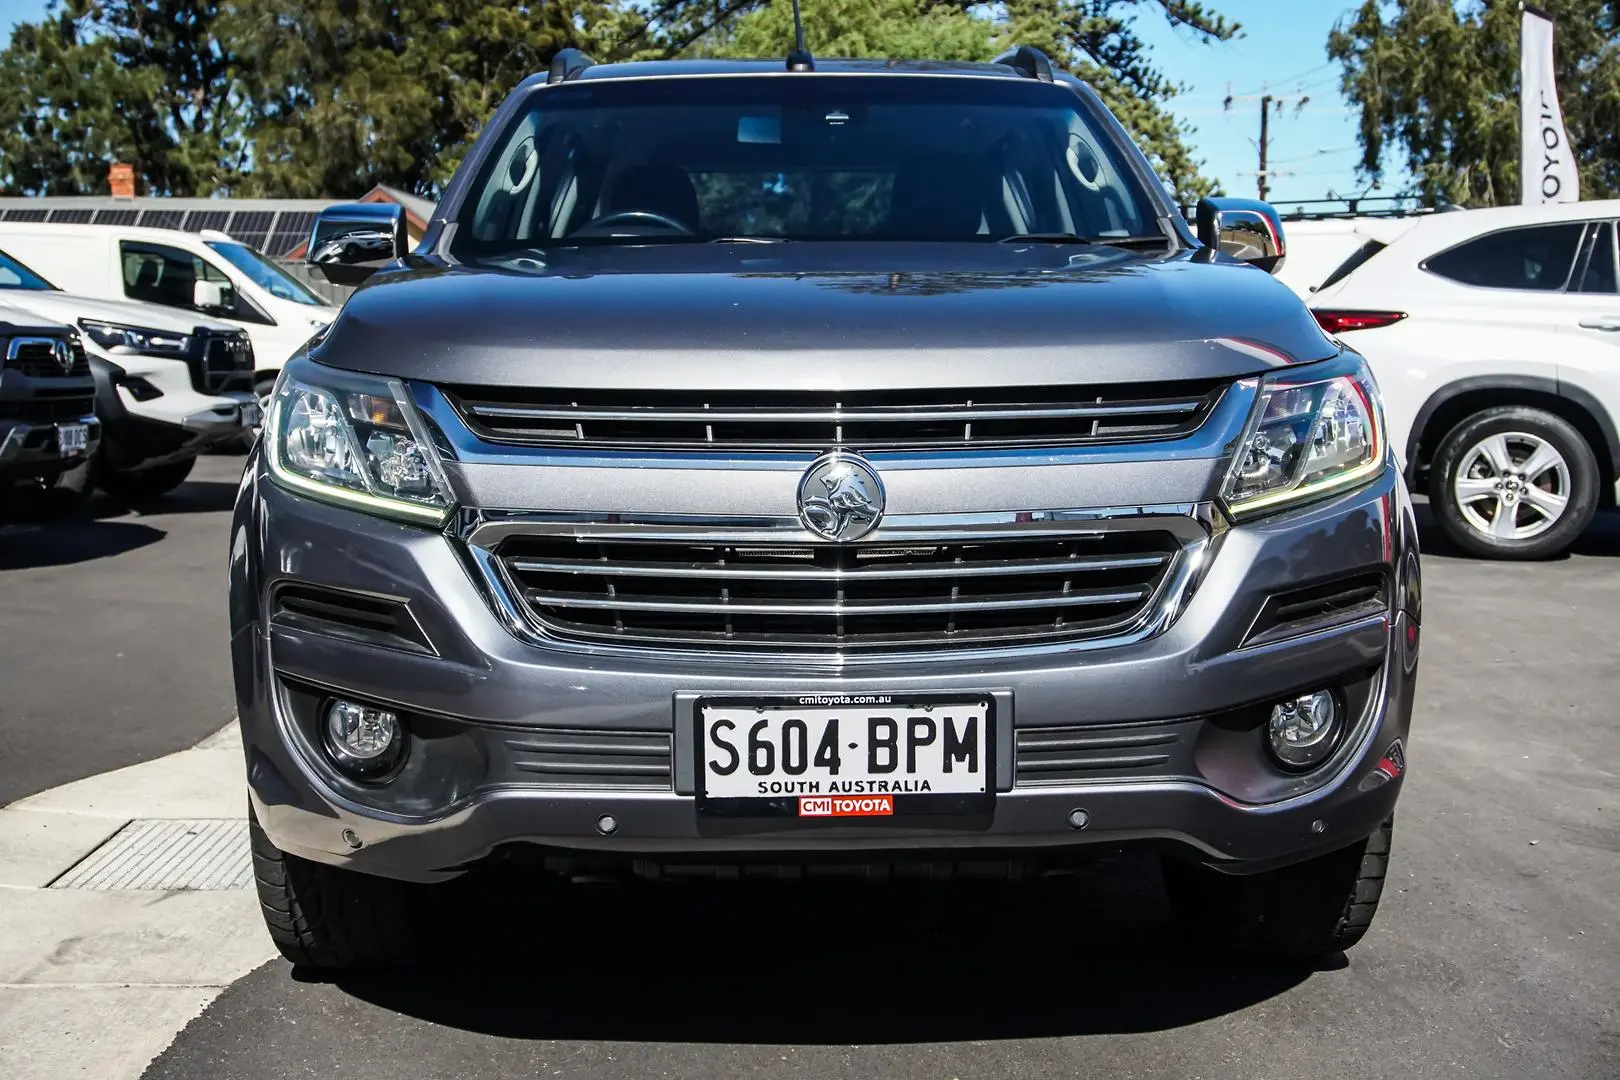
1455, 402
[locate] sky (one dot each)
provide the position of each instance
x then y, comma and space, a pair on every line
1283, 49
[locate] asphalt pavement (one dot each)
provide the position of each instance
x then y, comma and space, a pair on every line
113, 633
1496, 953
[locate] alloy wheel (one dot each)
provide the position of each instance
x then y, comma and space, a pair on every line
1512, 486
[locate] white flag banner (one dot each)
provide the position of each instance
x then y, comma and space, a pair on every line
1547, 162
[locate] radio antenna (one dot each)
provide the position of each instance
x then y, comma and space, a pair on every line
799, 59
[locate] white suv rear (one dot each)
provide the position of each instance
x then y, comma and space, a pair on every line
1495, 336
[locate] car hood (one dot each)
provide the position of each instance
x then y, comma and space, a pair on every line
69, 308
15, 320
824, 317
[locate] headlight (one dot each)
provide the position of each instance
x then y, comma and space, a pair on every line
356, 440
1310, 434
136, 339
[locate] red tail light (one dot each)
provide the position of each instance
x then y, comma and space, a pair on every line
1337, 322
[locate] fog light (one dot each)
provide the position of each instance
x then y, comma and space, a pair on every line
1304, 731
362, 740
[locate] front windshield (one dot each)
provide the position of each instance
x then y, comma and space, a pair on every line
265, 274
822, 157
14, 275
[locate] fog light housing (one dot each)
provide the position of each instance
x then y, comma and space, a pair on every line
362, 740
1304, 730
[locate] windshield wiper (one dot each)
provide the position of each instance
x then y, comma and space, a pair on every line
1155, 240
749, 240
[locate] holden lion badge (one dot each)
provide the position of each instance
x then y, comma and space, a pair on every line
840, 497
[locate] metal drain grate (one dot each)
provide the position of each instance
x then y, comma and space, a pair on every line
166, 855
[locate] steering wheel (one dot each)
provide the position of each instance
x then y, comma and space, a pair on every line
596, 226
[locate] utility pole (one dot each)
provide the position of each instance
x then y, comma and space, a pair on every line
1268, 102
1265, 140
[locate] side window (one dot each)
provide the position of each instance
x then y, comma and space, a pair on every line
1600, 274
159, 274
1537, 258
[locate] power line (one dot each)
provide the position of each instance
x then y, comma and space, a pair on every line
1277, 82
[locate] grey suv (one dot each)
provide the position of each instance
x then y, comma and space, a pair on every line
766, 468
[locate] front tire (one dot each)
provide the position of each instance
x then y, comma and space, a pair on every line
332, 919
1514, 483
1304, 912
146, 483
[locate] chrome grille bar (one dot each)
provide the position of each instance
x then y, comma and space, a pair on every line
918, 414
1069, 598
1076, 564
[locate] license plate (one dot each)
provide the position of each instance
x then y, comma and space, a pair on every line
72, 439
863, 756
251, 414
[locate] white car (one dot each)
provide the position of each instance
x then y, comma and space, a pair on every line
168, 385
205, 273
1495, 338
1323, 250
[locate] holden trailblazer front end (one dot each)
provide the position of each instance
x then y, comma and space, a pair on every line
873, 625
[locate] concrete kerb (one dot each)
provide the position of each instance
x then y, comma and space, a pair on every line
98, 982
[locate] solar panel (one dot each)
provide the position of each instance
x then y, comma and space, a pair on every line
198, 220
161, 219
23, 215
251, 221
71, 217
116, 217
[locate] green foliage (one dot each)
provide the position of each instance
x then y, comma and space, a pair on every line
861, 28
94, 83
362, 92
329, 97
1097, 40
1438, 82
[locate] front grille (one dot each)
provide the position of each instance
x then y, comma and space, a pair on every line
575, 758
1068, 755
226, 364
37, 360
50, 409
836, 597
872, 420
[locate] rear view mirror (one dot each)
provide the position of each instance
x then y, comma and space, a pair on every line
208, 296
352, 241
1246, 229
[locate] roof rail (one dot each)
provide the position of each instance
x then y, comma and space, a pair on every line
1382, 206
1029, 61
566, 64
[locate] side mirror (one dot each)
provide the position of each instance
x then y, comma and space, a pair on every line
208, 295
1247, 229
352, 241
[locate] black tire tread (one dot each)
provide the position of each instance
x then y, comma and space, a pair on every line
1301, 912
324, 917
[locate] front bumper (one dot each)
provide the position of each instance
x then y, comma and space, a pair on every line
29, 451
177, 424
477, 688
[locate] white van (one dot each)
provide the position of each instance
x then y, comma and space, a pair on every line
204, 273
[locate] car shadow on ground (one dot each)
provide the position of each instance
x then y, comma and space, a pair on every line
27, 546
825, 963
192, 497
